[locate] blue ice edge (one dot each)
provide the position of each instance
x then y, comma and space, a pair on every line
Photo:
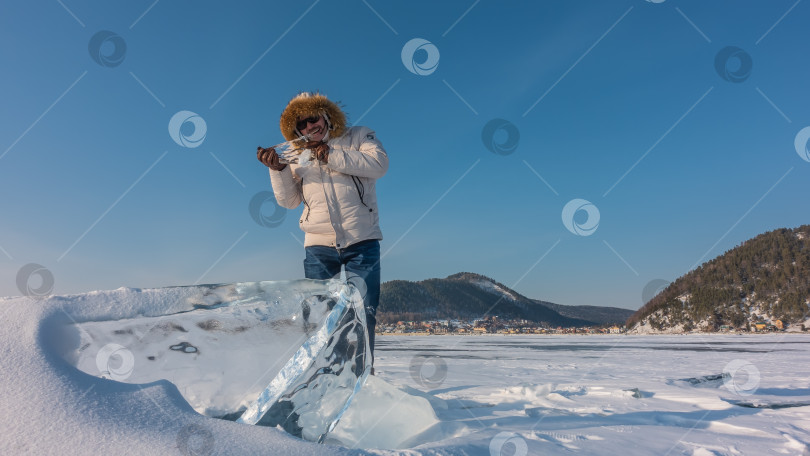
304, 357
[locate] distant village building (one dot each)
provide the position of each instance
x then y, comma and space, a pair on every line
487, 325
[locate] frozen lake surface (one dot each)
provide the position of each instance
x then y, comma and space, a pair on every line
692, 394
433, 395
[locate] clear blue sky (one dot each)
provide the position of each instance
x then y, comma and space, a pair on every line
618, 103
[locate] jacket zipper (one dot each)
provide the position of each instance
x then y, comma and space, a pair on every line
306, 217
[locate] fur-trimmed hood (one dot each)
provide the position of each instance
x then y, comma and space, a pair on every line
307, 104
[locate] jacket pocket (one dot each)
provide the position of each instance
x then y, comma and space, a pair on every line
361, 191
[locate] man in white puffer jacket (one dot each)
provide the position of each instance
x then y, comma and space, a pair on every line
340, 218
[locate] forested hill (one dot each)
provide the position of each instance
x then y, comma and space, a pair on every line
468, 296
766, 278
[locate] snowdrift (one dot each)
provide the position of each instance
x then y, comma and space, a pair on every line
146, 370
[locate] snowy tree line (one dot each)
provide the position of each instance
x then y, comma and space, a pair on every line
768, 275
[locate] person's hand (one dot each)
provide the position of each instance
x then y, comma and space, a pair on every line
319, 150
269, 158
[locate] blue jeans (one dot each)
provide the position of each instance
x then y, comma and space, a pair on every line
362, 263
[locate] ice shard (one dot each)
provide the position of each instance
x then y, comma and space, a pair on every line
290, 354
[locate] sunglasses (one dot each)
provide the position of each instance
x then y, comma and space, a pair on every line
302, 124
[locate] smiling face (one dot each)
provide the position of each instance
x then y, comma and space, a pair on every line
315, 130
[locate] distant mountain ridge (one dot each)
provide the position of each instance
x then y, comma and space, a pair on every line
467, 295
764, 279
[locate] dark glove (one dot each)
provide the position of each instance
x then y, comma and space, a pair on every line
320, 150
269, 158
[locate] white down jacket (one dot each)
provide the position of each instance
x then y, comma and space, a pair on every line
340, 198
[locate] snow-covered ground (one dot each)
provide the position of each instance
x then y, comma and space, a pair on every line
595, 395
455, 395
